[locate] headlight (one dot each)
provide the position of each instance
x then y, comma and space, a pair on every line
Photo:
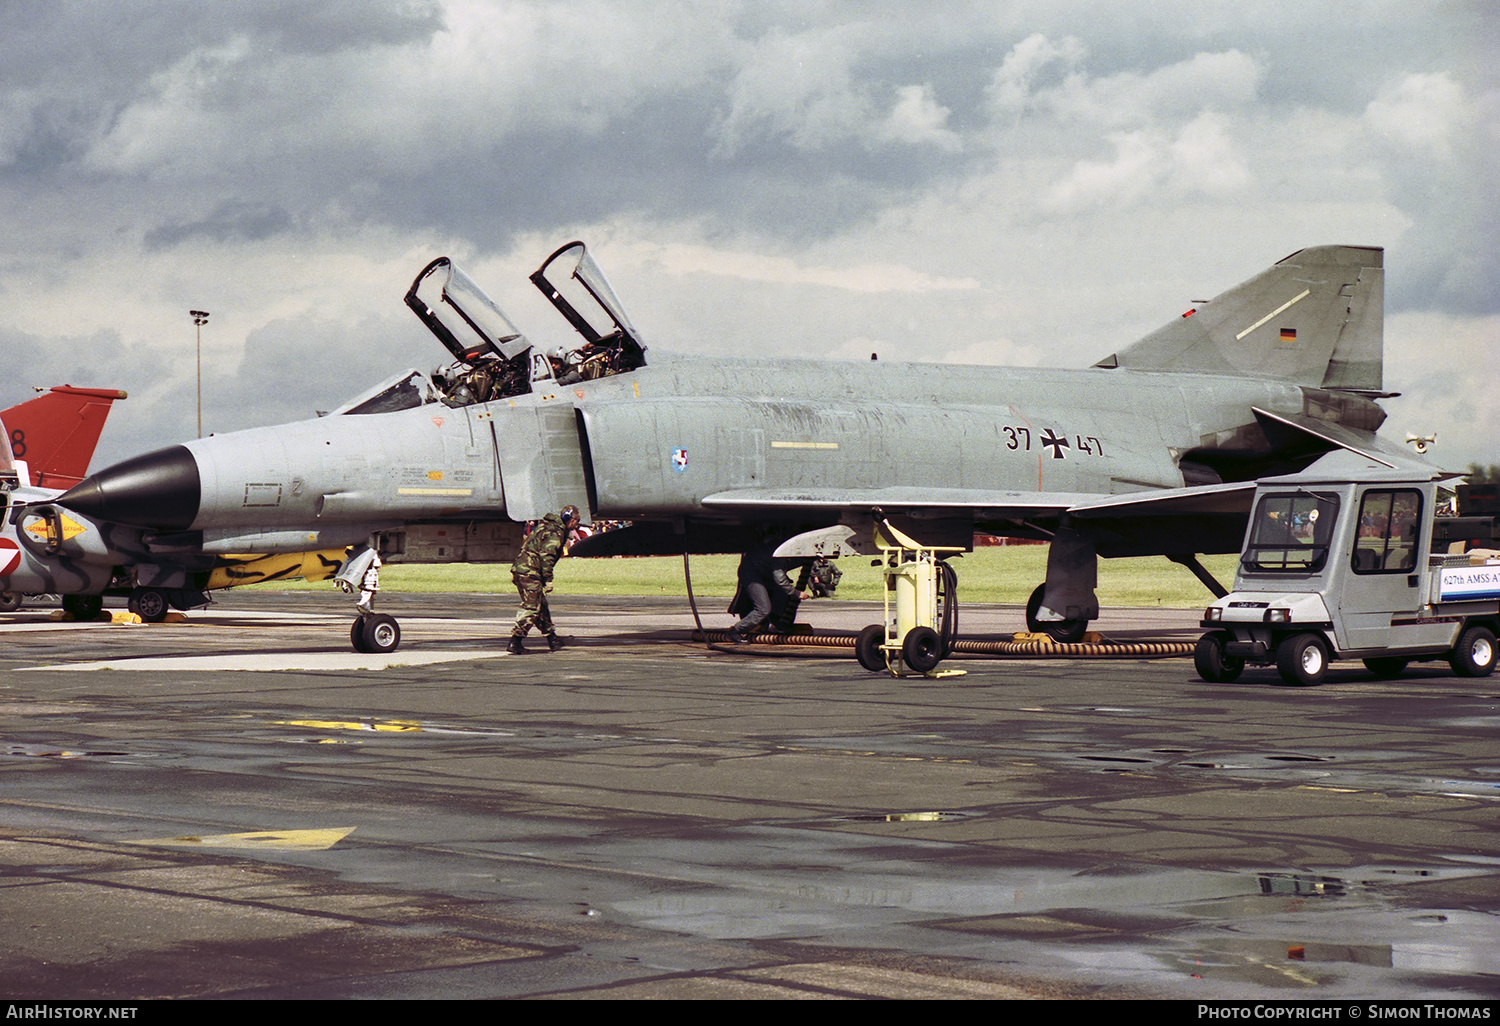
1278, 616
1213, 613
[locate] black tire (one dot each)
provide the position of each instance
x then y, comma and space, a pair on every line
1475, 654
83, 607
381, 633
150, 604
1212, 664
867, 648
1064, 632
10, 601
922, 649
357, 635
1302, 659
1386, 667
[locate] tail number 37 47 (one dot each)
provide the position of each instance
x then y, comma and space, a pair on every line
1019, 439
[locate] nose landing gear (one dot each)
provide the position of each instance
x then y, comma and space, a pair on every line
375, 632
372, 632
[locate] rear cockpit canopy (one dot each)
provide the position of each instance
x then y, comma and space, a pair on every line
573, 283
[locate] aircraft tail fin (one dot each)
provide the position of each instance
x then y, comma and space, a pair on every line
1315, 318
56, 432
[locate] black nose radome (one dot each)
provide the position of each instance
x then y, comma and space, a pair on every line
160, 489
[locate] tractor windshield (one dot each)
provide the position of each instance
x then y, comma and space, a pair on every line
1290, 533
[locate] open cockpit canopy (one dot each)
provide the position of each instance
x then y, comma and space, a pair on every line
573, 283
493, 359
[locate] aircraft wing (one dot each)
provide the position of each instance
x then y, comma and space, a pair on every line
944, 516
1206, 518
977, 503
1233, 498
1207, 499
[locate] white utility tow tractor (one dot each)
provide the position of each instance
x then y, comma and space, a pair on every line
1348, 560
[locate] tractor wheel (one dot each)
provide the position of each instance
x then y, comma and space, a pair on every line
1213, 665
1475, 654
1302, 659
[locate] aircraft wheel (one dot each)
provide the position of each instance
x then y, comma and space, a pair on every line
357, 636
1386, 667
150, 604
10, 601
1302, 659
922, 649
381, 633
83, 607
1211, 662
1475, 654
1064, 632
867, 648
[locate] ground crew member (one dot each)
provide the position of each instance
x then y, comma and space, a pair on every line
532, 573
758, 573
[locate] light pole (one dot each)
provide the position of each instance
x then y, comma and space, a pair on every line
200, 318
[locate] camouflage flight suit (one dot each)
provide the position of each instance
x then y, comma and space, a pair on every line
532, 572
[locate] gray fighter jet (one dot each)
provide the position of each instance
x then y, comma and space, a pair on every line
1150, 451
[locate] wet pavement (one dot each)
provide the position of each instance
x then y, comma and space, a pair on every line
240, 805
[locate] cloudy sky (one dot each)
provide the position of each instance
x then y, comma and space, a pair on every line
1023, 183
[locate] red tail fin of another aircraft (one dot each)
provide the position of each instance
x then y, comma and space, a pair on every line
55, 433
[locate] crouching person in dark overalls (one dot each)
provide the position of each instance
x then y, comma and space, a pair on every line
765, 588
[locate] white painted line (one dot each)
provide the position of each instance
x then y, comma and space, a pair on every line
1273, 313
275, 661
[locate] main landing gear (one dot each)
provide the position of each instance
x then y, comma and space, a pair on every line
83, 607
1064, 632
150, 604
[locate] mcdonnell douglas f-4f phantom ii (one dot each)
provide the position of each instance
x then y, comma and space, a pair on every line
1150, 451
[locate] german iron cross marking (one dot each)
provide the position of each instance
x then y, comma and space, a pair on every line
1057, 444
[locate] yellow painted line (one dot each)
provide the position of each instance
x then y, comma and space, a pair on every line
804, 445
435, 491
278, 840
396, 726
1280, 309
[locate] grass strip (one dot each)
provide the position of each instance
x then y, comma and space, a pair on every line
999, 573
